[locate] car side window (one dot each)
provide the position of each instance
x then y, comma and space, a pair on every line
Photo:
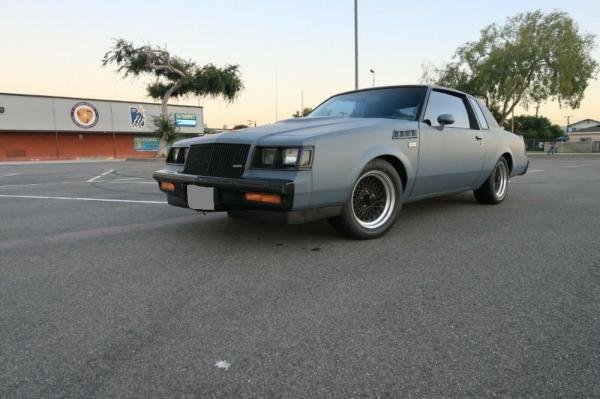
479, 113
443, 103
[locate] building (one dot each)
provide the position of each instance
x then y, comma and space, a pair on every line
589, 134
583, 124
45, 128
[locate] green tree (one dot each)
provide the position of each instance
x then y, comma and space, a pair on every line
305, 112
532, 58
531, 127
174, 77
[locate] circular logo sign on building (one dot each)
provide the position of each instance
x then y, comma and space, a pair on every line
84, 115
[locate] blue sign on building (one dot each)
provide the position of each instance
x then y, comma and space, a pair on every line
138, 117
182, 119
146, 143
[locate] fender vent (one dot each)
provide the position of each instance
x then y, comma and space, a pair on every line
404, 134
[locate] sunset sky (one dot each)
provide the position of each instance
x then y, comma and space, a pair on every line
55, 48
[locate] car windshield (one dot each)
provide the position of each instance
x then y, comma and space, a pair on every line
392, 103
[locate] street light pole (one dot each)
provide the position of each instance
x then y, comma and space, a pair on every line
356, 44
373, 72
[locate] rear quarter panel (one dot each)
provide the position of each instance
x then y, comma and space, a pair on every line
496, 144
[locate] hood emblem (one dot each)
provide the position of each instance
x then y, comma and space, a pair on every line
237, 166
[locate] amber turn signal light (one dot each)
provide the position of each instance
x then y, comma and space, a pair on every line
266, 198
167, 186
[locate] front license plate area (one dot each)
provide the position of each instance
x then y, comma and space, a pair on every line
201, 198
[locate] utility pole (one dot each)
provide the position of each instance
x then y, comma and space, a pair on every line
276, 99
356, 44
302, 102
568, 121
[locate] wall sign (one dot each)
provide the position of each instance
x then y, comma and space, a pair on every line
182, 119
137, 116
84, 115
146, 143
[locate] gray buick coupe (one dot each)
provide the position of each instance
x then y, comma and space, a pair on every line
354, 160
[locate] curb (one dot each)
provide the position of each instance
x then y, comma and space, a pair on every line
563, 154
153, 159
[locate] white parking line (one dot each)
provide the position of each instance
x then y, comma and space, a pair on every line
82, 199
74, 182
125, 182
93, 179
8, 175
535, 171
578, 166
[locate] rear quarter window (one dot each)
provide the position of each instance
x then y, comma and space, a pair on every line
479, 113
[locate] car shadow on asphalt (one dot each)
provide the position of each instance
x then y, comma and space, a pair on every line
219, 227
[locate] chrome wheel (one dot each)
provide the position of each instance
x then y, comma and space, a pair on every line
373, 199
500, 180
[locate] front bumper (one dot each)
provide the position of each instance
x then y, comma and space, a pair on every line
229, 193
226, 183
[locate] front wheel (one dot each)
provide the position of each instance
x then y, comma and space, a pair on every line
374, 203
495, 188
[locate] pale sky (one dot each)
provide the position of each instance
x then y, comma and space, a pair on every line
55, 47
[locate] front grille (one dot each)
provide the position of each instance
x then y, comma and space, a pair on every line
219, 160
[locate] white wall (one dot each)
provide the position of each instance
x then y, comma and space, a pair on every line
39, 113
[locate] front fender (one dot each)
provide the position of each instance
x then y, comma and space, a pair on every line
381, 151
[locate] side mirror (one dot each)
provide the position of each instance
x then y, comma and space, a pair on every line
445, 119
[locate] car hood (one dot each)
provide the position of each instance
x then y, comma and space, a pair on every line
297, 129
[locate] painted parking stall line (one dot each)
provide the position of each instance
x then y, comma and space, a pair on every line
93, 179
9, 175
41, 184
578, 166
83, 199
125, 182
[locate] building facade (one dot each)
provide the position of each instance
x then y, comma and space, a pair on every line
46, 128
582, 124
589, 134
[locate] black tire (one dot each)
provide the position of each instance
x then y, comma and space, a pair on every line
495, 188
378, 207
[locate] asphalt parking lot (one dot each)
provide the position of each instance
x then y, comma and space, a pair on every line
106, 291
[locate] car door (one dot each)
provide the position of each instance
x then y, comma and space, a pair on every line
450, 157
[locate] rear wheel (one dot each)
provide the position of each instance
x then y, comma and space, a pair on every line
374, 202
495, 188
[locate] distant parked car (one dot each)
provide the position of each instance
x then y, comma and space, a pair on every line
354, 160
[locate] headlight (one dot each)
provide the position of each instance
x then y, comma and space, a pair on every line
177, 155
282, 157
290, 156
268, 156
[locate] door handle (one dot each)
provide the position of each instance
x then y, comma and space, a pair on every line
478, 138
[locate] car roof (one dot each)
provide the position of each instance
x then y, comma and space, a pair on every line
433, 87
